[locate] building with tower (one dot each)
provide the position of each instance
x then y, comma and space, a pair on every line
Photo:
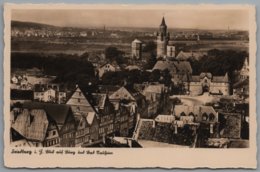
137, 49
162, 39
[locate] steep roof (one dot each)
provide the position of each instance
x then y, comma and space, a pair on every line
162, 65
31, 124
99, 99
173, 66
57, 112
163, 23
183, 66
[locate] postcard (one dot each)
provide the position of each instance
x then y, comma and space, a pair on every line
129, 86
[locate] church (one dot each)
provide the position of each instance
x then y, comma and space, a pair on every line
163, 37
193, 84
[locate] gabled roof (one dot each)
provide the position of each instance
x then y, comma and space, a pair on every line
57, 112
114, 64
87, 98
31, 124
187, 55
137, 41
162, 65
173, 66
183, 66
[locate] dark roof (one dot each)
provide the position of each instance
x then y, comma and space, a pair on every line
108, 89
99, 99
163, 22
57, 112
136, 94
40, 87
240, 84
164, 132
21, 94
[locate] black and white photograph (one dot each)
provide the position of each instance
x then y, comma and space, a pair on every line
130, 78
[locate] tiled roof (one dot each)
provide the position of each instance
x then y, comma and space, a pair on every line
31, 124
162, 65
163, 133
57, 112
173, 66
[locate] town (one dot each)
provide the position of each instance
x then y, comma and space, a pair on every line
128, 89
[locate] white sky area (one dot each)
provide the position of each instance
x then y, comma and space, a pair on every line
194, 19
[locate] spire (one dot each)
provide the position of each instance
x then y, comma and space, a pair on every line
163, 22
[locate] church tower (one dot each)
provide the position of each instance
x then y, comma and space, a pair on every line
162, 40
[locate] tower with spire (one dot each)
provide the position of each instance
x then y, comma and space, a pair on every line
162, 39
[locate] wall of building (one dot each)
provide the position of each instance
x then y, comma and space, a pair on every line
195, 88
219, 87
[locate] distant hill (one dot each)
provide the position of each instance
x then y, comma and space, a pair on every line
26, 25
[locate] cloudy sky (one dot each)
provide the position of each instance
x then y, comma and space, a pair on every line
176, 18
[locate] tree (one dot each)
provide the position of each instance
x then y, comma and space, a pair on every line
150, 47
113, 54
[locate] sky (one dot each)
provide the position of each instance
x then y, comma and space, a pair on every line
176, 18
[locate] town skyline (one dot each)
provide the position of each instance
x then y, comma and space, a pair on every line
192, 19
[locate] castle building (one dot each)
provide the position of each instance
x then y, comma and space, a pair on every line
162, 40
206, 82
137, 49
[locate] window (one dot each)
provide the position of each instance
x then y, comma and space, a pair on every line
78, 100
211, 117
204, 117
54, 132
79, 93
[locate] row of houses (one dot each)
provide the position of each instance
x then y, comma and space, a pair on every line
86, 118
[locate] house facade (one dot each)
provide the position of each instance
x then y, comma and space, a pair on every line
206, 82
